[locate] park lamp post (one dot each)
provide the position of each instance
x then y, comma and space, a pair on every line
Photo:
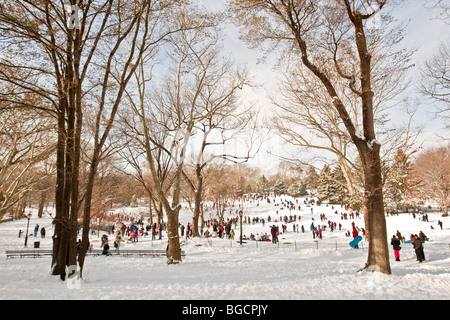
241, 214
28, 224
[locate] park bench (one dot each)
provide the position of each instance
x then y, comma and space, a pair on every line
140, 252
124, 252
28, 253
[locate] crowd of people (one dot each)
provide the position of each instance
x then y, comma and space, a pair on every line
276, 224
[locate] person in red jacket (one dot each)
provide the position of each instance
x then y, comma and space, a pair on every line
355, 233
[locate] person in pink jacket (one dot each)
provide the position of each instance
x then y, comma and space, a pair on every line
395, 242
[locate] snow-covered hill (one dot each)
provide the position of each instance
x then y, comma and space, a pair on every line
296, 268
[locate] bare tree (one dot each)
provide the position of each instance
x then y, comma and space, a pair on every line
25, 141
86, 53
309, 122
61, 55
299, 24
442, 6
435, 80
218, 86
167, 119
134, 37
431, 176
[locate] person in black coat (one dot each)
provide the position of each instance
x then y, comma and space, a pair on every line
395, 242
106, 250
274, 231
418, 247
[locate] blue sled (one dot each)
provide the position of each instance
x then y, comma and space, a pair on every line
355, 241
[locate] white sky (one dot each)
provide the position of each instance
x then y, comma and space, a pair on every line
423, 34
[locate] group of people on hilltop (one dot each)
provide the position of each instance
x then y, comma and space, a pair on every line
136, 229
36, 231
132, 231
223, 229
417, 242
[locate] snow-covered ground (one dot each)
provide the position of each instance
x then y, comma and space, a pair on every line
221, 269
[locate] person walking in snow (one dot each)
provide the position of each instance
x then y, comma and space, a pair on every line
104, 240
36, 229
423, 237
399, 235
418, 248
355, 233
117, 242
395, 242
154, 231
273, 231
182, 227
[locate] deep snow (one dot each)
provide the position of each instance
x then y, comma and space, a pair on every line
221, 269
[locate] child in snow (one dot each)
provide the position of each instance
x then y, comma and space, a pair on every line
105, 251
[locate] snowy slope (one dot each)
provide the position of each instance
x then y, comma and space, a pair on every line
222, 269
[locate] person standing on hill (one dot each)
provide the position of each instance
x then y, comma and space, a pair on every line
36, 229
395, 242
399, 236
418, 247
355, 233
274, 232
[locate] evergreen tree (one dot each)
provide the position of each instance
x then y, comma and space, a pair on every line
397, 182
341, 194
264, 186
280, 188
332, 186
297, 189
324, 187
311, 179
240, 187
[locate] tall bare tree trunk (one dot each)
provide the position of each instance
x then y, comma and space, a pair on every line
375, 222
42, 203
197, 201
138, 29
173, 246
369, 149
301, 20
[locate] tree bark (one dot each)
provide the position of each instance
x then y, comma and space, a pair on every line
197, 190
300, 19
369, 150
375, 222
